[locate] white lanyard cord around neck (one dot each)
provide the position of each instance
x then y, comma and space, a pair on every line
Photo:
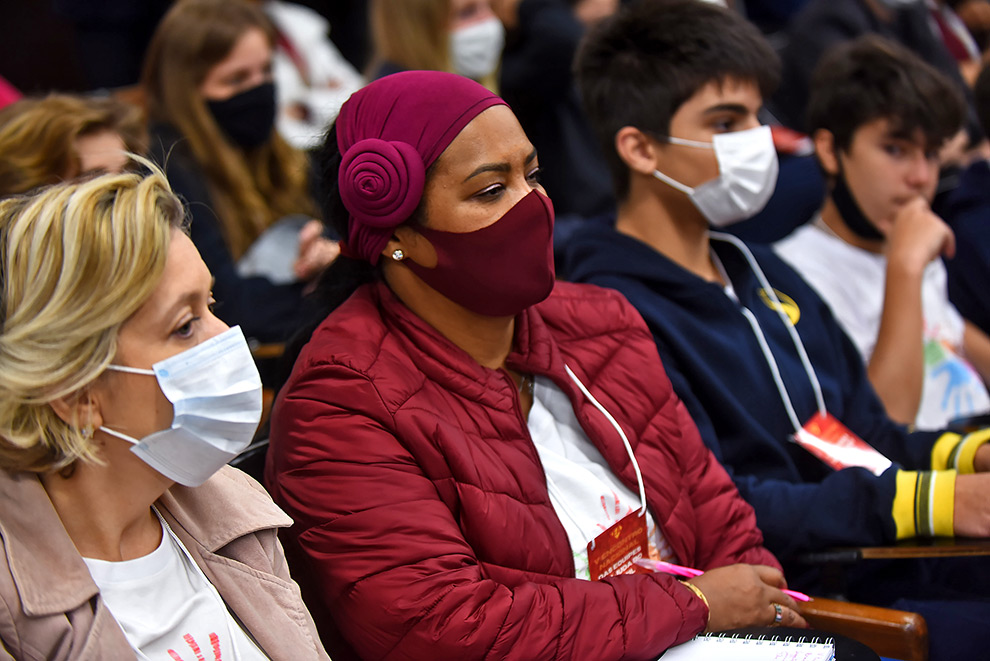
622, 435
758, 332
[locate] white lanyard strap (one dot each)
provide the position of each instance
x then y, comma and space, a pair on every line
622, 435
772, 364
764, 346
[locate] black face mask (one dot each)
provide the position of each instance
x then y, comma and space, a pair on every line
849, 210
247, 118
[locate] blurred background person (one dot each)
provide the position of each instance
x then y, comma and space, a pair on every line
59, 137
312, 78
458, 36
822, 24
211, 102
542, 37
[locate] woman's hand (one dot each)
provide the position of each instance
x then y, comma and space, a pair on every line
746, 596
315, 252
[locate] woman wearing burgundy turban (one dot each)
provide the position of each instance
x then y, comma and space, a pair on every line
472, 453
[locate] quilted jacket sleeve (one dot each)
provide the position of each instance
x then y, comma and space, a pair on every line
389, 560
726, 523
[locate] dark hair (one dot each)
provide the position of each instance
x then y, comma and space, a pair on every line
871, 78
343, 277
345, 274
637, 67
981, 97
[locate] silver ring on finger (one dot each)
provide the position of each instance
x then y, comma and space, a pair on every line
778, 614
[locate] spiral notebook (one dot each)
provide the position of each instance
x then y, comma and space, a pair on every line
738, 647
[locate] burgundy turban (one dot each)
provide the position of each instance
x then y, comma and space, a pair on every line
389, 133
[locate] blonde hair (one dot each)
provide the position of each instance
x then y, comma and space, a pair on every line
76, 261
37, 137
249, 189
412, 34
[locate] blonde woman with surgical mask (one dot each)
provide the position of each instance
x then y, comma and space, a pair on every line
457, 36
121, 399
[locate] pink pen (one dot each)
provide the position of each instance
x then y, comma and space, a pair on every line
690, 572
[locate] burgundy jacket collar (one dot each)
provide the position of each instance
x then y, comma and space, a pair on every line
533, 350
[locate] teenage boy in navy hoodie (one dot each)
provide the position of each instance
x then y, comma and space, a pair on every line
673, 88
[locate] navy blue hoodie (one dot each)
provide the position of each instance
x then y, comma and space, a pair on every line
713, 359
967, 211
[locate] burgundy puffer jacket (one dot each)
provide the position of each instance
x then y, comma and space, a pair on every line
423, 525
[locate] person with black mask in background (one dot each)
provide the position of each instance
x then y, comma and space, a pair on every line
211, 101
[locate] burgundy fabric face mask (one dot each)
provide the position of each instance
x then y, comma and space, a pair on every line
499, 270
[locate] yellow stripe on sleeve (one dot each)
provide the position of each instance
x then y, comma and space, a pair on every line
943, 499
903, 510
945, 447
966, 452
924, 503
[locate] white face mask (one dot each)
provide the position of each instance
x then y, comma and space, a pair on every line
747, 165
475, 49
215, 391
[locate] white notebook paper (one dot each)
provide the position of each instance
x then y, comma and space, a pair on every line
718, 647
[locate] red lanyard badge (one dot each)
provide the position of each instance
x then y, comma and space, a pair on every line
832, 442
616, 550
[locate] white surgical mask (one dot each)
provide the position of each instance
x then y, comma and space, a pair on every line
215, 392
747, 165
475, 49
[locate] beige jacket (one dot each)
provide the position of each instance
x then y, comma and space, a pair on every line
50, 607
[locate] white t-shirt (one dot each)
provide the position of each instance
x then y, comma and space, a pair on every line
587, 497
851, 280
168, 609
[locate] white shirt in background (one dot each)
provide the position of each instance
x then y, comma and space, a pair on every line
851, 281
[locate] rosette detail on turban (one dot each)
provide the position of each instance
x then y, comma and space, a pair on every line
381, 182
389, 133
